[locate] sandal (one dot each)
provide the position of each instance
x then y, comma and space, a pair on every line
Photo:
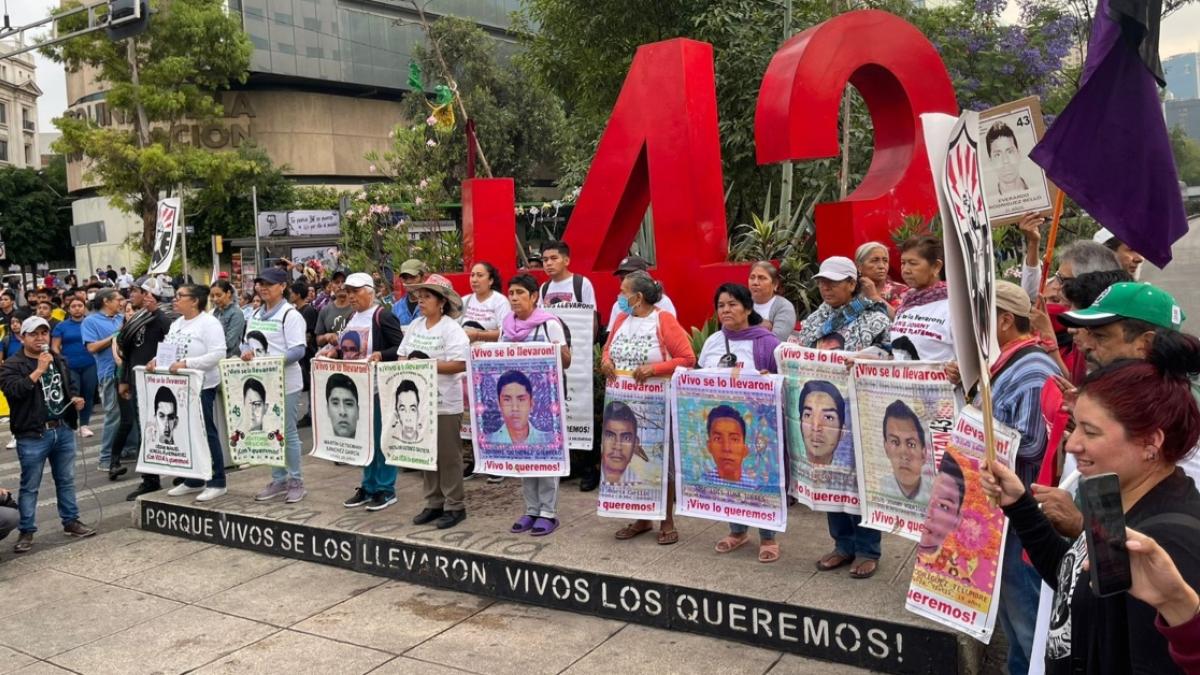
523, 524
732, 543
544, 526
668, 537
865, 569
768, 551
634, 529
833, 560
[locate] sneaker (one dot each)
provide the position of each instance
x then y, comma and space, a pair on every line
211, 493
141, 489
451, 518
103, 468
77, 529
24, 543
183, 489
495, 480
380, 502
295, 491
276, 488
12, 445
359, 498
86, 431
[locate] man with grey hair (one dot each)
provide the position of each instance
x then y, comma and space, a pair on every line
1081, 256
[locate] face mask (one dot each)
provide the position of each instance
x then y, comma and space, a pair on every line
623, 304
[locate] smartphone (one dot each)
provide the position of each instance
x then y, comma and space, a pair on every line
1104, 528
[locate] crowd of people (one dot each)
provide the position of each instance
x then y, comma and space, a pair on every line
1113, 346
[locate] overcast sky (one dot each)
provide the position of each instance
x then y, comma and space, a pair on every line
1180, 33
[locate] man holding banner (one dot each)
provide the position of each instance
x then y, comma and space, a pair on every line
383, 335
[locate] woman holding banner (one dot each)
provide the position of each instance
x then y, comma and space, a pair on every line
742, 342
847, 320
437, 335
485, 309
646, 342
777, 312
872, 259
1136, 419
528, 323
921, 329
200, 345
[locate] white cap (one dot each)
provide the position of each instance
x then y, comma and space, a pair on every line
1102, 236
33, 323
153, 286
837, 268
359, 280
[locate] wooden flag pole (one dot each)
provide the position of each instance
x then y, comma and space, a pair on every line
1051, 239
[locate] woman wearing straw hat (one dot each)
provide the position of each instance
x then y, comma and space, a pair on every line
436, 335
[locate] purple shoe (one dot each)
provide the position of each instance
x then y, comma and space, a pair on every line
295, 491
523, 524
276, 488
544, 526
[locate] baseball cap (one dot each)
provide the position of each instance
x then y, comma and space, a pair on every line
33, 323
413, 268
360, 280
152, 286
632, 263
1103, 236
837, 268
1010, 298
272, 275
1129, 300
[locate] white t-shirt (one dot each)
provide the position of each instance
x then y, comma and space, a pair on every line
446, 341
636, 342
564, 291
714, 349
764, 309
124, 280
201, 343
355, 338
928, 327
488, 313
283, 327
664, 303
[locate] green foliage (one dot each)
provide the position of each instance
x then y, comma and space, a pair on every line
34, 221
700, 335
1187, 156
224, 205
193, 49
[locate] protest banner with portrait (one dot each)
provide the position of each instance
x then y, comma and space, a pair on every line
817, 412
902, 414
728, 436
173, 439
1013, 184
343, 411
254, 409
518, 420
579, 319
633, 449
408, 400
956, 578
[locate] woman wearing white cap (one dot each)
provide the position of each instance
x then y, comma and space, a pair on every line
778, 313
437, 335
872, 259
846, 320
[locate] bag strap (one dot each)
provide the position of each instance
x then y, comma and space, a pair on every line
577, 284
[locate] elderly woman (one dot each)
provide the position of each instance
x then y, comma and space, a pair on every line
848, 320
778, 314
744, 343
921, 328
1135, 419
435, 333
646, 342
872, 259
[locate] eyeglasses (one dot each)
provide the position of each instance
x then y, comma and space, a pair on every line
181, 296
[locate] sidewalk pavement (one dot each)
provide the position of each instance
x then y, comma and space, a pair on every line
130, 601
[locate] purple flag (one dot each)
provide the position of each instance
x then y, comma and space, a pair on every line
1109, 149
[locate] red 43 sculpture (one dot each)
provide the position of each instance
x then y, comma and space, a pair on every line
661, 149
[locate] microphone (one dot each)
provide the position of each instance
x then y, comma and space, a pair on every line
45, 348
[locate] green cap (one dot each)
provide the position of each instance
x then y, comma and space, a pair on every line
1128, 300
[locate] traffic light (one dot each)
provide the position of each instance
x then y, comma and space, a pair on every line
127, 18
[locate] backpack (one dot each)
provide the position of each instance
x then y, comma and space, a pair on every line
577, 289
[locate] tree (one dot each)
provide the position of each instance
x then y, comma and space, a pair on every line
35, 221
1187, 156
169, 74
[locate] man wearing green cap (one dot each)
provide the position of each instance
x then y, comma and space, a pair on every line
405, 308
1122, 323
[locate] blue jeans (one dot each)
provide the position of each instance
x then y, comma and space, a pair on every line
291, 435
1020, 587
207, 398
58, 446
765, 535
86, 378
112, 417
851, 538
379, 477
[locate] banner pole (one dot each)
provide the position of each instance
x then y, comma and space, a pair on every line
1051, 239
